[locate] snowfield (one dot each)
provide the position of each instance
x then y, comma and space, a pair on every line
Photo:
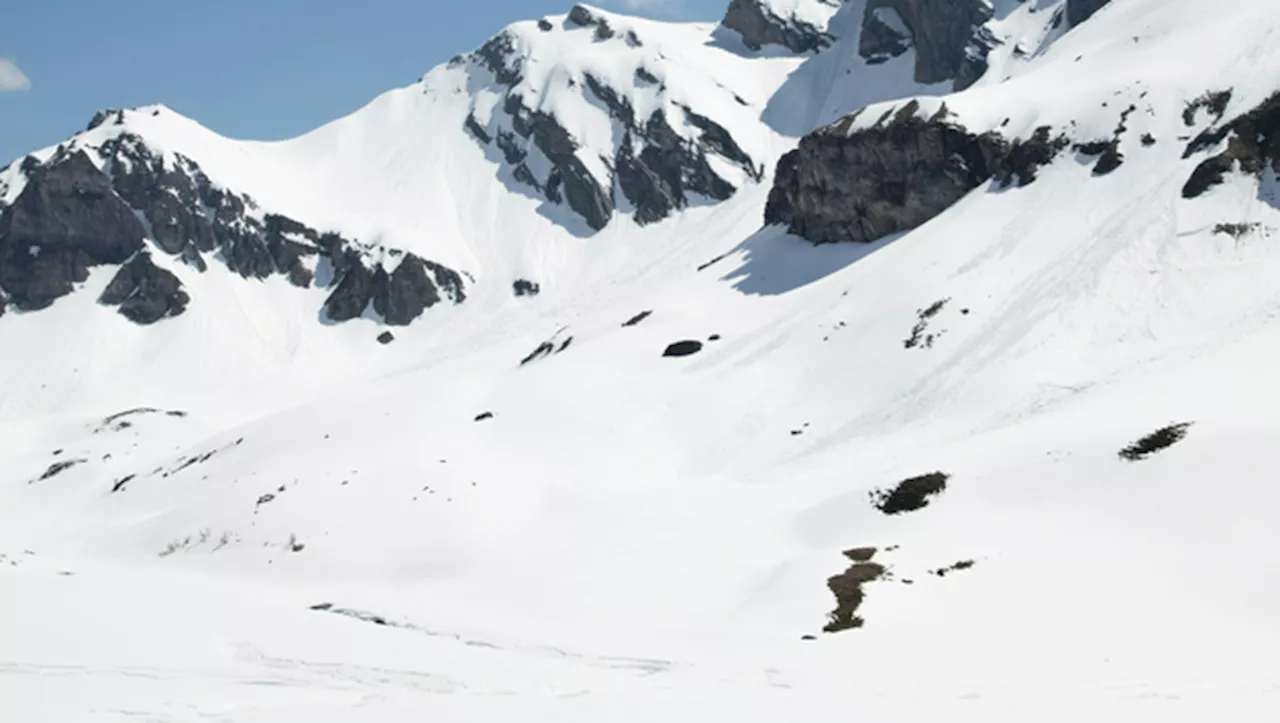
246, 514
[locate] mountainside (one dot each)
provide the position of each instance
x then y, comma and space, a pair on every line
887, 358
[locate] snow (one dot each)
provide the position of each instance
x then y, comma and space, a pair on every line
631, 536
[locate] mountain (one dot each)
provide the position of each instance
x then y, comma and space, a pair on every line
888, 358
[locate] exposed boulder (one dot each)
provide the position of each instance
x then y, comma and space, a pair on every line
911, 494
688, 347
1252, 146
66, 220
525, 287
1079, 11
144, 292
948, 36
759, 24
842, 184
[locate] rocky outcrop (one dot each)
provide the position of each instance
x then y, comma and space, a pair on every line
1079, 11
760, 25
1252, 146
659, 165
846, 184
66, 220
399, 296
144, 292
77, 211
949, 37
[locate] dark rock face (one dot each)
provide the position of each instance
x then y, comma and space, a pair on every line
759, 26
66, 220
72, 216
1253, 145
1079, 11
657, 169
894, 176
405, 293
525, 287
145, 292
398, 297
948, 36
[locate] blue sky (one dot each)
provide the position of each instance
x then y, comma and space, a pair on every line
263, 69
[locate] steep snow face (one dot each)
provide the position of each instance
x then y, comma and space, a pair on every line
984, 467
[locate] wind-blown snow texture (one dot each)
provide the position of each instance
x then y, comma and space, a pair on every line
245, 510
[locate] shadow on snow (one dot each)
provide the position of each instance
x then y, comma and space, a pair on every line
774, 262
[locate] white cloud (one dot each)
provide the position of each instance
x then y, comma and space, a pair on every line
11, 77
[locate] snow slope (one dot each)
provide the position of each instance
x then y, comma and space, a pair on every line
309, 526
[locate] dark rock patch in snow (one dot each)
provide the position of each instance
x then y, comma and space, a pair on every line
386, 337
58, 468
1107, 152
637, 318
955, 567
759, 25
1236, 230
847, 589
1253, 146
920, 336
860, 554
117, 422
1213, 101
544, 349
705, 265
483, 416
119, 484
547, 348
525, 287
687, 347
910, 494
1162, 438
